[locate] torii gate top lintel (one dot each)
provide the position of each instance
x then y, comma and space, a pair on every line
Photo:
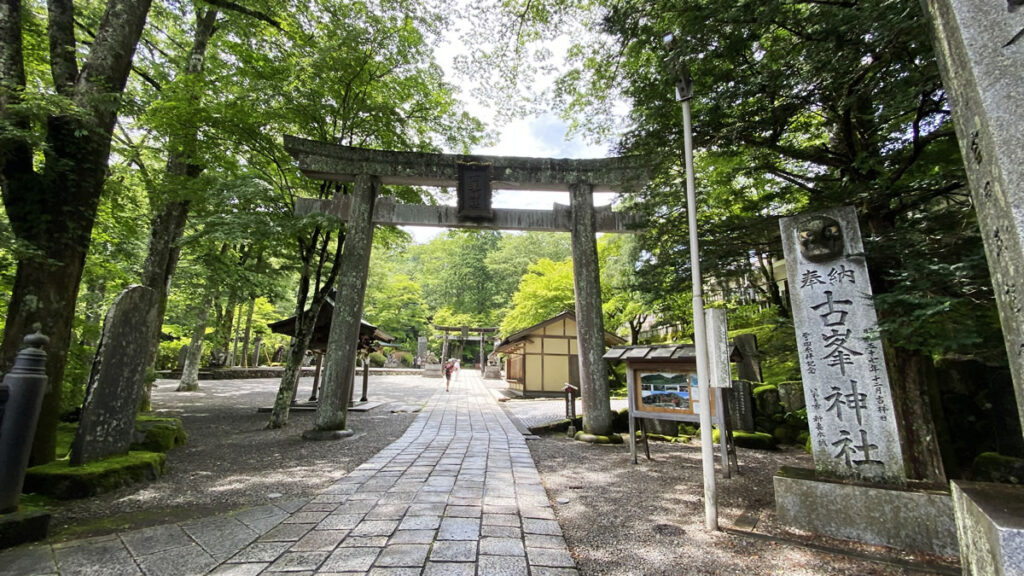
326, 161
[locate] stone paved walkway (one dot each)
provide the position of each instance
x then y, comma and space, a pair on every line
458, 494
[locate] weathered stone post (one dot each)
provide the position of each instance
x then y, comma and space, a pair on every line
980, 48
336, 388
981, 55
597, 411
112, 398
21, 397
483, 358
421, 351
316, 377
257, 346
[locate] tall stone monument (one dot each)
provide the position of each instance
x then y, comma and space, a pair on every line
980, 48
846, 386
857, 489
114, 390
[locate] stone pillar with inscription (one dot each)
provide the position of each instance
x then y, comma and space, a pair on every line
858, 489
980, 49
849, 401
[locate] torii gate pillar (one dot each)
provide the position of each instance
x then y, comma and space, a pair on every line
597, 412
336, 390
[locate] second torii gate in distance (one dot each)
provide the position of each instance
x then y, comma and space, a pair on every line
464, 331
475, 177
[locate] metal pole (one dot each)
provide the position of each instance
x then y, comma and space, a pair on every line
707, 451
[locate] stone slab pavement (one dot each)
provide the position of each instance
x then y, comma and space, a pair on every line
457, 494
533, 412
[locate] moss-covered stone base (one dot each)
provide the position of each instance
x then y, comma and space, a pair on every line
755, 440
669, 439
27, 524
65, 482
158, 434
582, 436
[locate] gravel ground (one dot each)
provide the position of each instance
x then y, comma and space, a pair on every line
626, 519
231, 461
618, 518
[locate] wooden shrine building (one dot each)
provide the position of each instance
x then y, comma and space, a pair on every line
541, 359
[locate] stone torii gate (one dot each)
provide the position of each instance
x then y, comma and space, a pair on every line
464, 332
475, 177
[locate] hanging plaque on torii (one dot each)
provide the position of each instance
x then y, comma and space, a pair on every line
474, 191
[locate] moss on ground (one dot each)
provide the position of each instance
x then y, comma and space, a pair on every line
152, 434
755, 440
65, 435
995, 467
62, 481
669, 439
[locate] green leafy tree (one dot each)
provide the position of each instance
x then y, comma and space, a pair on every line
384, 91
800, 106
452, 270
55, 132
544, 291
512, 257
626, 302
394, 302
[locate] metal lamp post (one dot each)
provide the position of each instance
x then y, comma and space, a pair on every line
684, 92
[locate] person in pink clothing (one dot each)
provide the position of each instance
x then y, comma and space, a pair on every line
448, 368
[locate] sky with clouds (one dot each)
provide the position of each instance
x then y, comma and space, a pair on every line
540, 136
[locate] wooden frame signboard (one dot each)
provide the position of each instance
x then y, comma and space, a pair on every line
662, 384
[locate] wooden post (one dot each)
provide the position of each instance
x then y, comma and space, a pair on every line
336, 389
365, 359
483, 359
597, 412
444, 349
316, 377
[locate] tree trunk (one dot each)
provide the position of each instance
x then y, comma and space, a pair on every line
293, 368
912, 374
247, 334
168, 224
52, 211
43, 299
235, 337
365, 360
190, 373
94, 293
767, 271
226, 329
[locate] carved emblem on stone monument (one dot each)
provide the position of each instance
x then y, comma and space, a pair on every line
821, 238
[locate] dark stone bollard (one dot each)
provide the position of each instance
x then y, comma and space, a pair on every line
570, 408
23, 387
